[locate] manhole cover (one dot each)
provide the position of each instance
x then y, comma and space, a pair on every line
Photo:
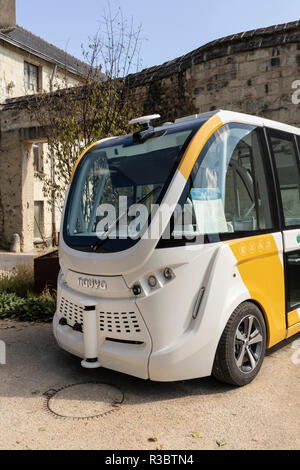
84, 400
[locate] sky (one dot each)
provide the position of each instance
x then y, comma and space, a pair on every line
170, 28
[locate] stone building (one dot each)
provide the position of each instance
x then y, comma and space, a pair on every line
252, 72
29, 65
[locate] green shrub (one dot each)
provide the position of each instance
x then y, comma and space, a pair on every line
39, 309
9, 304
19, 282
19, 301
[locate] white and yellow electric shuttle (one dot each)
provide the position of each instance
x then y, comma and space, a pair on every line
207, 297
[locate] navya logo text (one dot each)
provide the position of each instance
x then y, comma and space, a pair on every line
90, 283
2, 353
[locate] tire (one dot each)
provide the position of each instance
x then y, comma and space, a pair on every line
242, 347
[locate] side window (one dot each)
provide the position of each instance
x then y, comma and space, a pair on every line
286, 161
239, 190
229, 191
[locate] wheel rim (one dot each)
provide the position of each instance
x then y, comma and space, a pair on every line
248, 344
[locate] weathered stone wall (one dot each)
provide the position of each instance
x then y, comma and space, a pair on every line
171, 97
17, 176
258, 82
250, 72
16, 194
10, 183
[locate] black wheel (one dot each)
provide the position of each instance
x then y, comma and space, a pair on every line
242, 347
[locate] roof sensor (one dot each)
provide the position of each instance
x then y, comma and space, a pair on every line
144, 121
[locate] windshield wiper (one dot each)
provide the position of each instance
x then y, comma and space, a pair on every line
101, 241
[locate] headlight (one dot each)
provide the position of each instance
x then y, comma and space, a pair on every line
168, 273
152, 281
136, 289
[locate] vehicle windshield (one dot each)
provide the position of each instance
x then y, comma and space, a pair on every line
112, 178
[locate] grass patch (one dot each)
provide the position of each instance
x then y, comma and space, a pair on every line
18, 301
20, 282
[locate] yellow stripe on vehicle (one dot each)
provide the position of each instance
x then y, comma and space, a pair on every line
79, 159
196, 145
293, 318
262, 272
293, 330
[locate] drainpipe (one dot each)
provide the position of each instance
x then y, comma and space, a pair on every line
52, 157
53, 78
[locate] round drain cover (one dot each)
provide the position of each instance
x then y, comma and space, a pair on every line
84, 401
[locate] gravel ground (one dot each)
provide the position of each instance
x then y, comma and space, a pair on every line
263, 415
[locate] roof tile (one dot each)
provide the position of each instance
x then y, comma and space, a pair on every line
25, 39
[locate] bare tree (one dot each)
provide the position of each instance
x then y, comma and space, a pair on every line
102, 107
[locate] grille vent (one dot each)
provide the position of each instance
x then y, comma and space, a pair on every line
119, 322
72, 312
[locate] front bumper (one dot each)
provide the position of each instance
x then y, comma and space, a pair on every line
113, 331
115, 334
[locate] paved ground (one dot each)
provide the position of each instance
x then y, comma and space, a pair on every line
263, 415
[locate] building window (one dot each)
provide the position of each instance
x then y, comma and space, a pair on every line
286, 160
38, 158
31, 77
38, 219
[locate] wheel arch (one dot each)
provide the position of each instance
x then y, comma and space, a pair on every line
237, 304
225, 368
